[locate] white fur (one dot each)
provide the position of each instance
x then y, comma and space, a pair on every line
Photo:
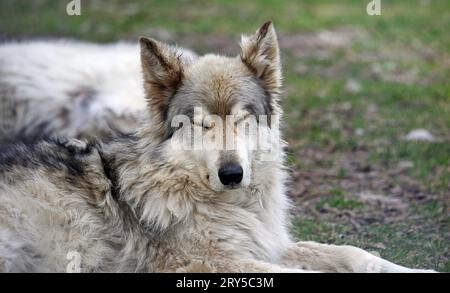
58, 69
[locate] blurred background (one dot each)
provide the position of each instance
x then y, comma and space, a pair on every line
366, 99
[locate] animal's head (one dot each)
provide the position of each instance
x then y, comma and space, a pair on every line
231, 94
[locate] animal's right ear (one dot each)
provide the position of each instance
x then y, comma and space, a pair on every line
163, 74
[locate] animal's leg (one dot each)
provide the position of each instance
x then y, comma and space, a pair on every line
334, 258
237, 266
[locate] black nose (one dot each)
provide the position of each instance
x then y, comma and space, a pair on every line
230, 174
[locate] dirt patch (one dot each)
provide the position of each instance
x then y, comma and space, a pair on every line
319, 44
385, 194
300, 45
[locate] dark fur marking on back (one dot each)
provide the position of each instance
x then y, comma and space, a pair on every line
50, 153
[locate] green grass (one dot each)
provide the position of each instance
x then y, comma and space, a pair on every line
409, 39
336, 198
106, 20
411, 248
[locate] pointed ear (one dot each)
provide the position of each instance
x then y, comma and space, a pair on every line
261, 55
163, 73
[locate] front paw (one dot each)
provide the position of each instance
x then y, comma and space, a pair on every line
382, 266
420, 271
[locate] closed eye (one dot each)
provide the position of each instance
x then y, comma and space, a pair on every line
206, 125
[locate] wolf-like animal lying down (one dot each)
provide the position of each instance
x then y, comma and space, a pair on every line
140, 203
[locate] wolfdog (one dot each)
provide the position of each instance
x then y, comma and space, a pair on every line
141, 202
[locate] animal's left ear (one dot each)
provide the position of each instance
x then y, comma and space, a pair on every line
261, 54
163, 73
